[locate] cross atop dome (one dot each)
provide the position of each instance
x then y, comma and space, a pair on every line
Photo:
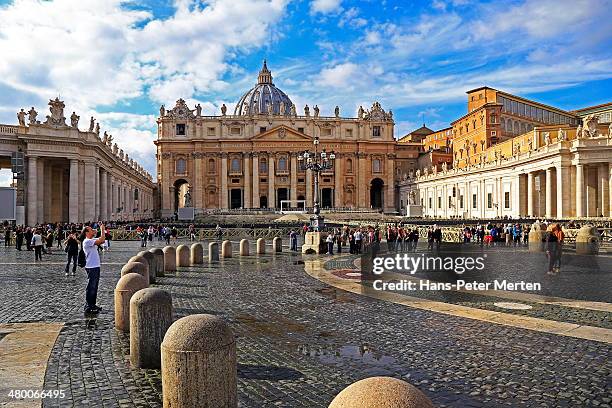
265, 76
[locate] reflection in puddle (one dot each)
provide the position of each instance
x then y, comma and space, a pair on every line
334, 355
335, 294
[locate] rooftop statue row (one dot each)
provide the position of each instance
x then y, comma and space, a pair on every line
58, 120
182, 111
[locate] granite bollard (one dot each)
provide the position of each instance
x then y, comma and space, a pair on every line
150, 318
127, 285
261, 246
134, 266
381, 392
277, 244
226, 249
169, 259
244, 247
536, 234
198, 363
587, 241
213, 252
182, 255
197, 254
152, 264
159, 261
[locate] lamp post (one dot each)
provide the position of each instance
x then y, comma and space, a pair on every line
317, 162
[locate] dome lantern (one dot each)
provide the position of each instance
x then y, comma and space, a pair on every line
264, 98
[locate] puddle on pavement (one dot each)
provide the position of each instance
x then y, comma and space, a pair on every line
339, 354
277, 327
335, 294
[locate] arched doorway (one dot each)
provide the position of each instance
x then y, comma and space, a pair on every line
281, 194
327, 195
235, 198
376, 193
181, 187
263, 202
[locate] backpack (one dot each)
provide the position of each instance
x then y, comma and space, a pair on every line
81, 259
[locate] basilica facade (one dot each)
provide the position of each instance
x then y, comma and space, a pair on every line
249, 158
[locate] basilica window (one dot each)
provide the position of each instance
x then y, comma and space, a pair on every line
181, 166
326, 132
211, 165
211, 131
263, 166
282, 164
349, 132
376, 131
262, 129
180, 129
493, 118
235, 166
301, 129
376, 166
349, 165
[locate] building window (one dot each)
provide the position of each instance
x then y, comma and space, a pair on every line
461, 201
349, 132
493, 118
507, 200
439, 202
180, 129
450, 201
326, 132
235, 166
376, 131
376, 166
430, 202
489, 200
349, 165
301, 130
211, 131
474, 201
211, 165
181, 166
454, 192
262, 129
263, 166
282, 164
235, 131
493, 133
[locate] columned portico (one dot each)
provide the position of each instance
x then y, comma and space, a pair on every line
580, 190
73, 195
32, 197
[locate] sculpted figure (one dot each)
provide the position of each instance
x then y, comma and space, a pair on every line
444, 167
105, 138
293, 110
337, 111
74, 120
530, 144
162, 111
256, 108
115, 148
390, 114
418, 173
579, 131
110, 140
97, 128
282, 108
434, 169
306, 110
426, 171
412, 197
32, 113
223, 109
92, 124
270, 108
546, 138
21, 117
199, 109
561, 135
610, 131
316, 111
360, 112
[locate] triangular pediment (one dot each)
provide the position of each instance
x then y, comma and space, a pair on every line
281, 133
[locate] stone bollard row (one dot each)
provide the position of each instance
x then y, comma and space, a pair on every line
226, 249
159, 261
152, 264
139, 265
169, 259
182, 255
277, 244
196, 254
127, 285
385, 392
150, 318
261, 246
198, 363
244, 247
213, 252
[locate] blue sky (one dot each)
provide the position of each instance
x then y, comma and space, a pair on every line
119, 60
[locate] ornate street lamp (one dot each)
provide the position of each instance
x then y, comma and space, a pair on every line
317, 162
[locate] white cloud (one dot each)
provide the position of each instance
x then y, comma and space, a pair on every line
339, 76
325, 6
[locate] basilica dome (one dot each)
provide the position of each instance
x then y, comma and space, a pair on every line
258, 99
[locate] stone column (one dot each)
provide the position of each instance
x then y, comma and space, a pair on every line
530, 193
549, 193
309, 197
32, 198
338, 181
103, 193
271, 179
109, 195
73, 193
362, 183
610, 189
115, 197
602, 189
96, 182
89, 193
563, 192
294, 171
40, 189
389, 193
224, 192
255, 202
246, 166
579, 190
198, 188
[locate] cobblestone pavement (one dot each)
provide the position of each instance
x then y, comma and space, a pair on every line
299, 341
